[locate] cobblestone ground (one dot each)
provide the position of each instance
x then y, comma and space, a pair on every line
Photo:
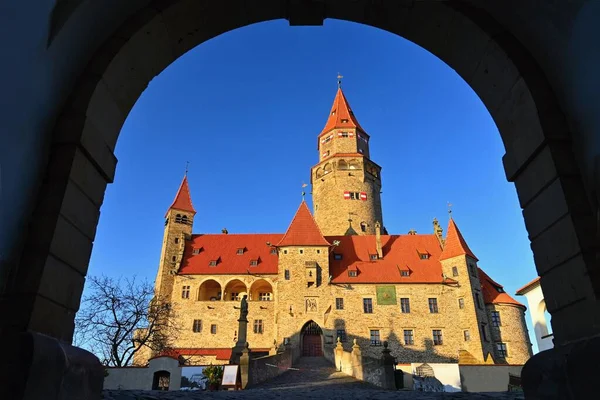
314, 379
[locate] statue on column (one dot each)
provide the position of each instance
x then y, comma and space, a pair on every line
241, 344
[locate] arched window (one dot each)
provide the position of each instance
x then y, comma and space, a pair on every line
178, 218
363, 226
319, 172
342, 164
184, 219
327, 168
176, 240
354, 164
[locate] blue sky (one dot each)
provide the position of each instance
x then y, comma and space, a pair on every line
245, 109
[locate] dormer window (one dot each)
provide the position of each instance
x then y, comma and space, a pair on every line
273, 251
424, 256
404, 273
253, 263
344, 120
352, 273
499, 289
212, 263
240, 251
343, 134
197, 250
337, 256
373, 257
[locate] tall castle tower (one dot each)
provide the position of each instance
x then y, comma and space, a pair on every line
346, 184
178, 228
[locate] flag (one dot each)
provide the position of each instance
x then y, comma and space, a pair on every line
304, 185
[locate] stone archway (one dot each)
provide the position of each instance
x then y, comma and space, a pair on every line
145, 38
312, 340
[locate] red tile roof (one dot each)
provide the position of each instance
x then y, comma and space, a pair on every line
341, 111
455, 244
529, 286
491, 295
303, 230
183, 201
399, 253
224, 247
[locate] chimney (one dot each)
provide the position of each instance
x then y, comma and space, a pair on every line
224, 231
378, 239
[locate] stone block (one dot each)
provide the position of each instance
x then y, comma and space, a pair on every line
545, 209
566, 284
576, 321
105, 114
555, 245
61, 283
51, 319
71, 246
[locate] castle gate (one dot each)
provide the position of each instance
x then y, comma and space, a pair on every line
312, 340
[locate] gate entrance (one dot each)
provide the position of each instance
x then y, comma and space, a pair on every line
311, 340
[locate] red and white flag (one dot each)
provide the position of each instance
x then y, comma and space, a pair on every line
347, 195
363, 196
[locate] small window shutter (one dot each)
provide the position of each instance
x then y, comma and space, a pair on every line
363, 196
346, 195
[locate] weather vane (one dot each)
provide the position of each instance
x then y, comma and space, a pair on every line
303, 192
187, 164
449, 209
339, 77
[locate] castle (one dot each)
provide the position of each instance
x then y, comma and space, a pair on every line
338, 274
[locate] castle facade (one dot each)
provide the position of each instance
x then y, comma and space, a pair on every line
337, 274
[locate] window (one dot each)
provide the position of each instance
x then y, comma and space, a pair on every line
373, 257
433, 306
341, 333
176, 240
502, 351
301, 251
287, 274
240, 251
173, 258
409, 337
461, 303
253, 263
185, 292
354, 196
339, 303
264, 296
184, 219
343, 134
258, 326
478, 300
197, 326
375, 338
337, 256
404, 273
483, 332
496, 318
212, 263
344, 120
213, 329
352, 273
235, 296
285, 251
454, 271
499, 289
405, 305
467, 335
178, 218
273, 251
472, 269
318, 251
424, 256
196, 251
437, 337
368, 306
363, 226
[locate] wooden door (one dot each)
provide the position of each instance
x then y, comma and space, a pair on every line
311, 346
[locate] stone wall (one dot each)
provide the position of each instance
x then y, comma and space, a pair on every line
141, 378
369, 369
512, 332
487, 378
264, 368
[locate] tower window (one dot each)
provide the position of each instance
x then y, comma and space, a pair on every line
184, 219
174, 258
496, 318
285, 251
461, 303
467, 335
363, 226
344, 120
287, 274
502, 351
484, 332
355, 196
213, 329
478, 301
178, 218
176, 240
472, 269
343, 134
454, 271
301, 251
318, 251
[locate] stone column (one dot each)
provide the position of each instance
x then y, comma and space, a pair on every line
357, 364
241, 344
338, 354
387, 363
245, 366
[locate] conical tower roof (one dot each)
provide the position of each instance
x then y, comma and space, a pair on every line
341, 115
455, 244
303, 231
183, 200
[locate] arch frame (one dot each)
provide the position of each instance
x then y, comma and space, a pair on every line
539, 157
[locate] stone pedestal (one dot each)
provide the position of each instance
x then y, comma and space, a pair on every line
388, 362
39, 367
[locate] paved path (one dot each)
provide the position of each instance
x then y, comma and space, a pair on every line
315, 379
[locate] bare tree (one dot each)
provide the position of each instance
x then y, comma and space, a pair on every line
120, 318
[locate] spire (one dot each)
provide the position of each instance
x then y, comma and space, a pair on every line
341, 115
303, 231
183, 201
455, 244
